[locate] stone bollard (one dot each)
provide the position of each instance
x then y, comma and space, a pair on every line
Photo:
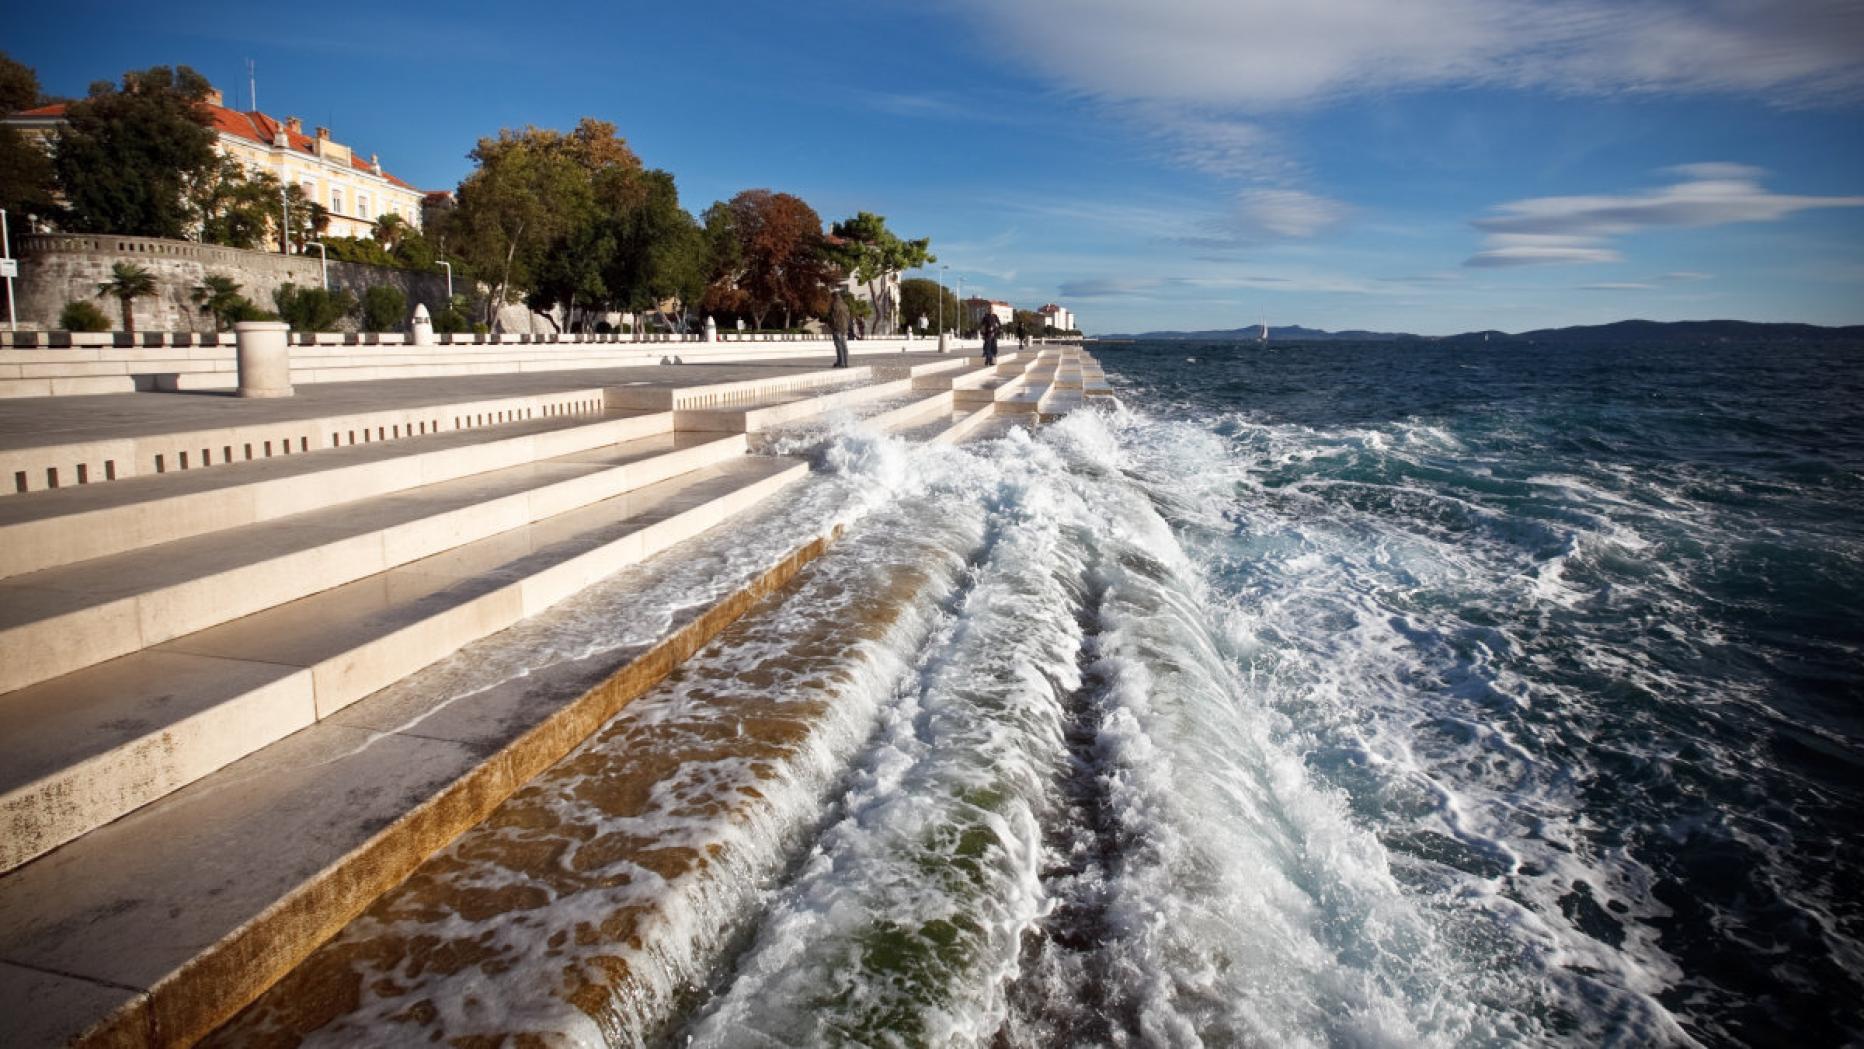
264, 358
423, 326
944, 342
711, 330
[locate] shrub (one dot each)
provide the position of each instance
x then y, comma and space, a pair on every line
312, 309
82, 316
383, 308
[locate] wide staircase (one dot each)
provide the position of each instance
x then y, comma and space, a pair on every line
189, 619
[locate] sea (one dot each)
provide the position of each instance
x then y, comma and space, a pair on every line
1316, 695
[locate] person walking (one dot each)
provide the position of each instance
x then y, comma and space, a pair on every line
992, 327
839, 317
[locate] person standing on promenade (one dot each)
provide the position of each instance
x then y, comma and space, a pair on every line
991, 327
839, 316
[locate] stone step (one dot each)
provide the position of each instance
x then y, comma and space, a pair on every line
88, 747
780, 408
1059, 401
1027, 397
58, 620
250, 430
51, 528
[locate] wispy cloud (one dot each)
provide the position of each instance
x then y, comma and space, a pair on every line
1533, 249
1285, 212
1576, 229
1103, 287
1263, 54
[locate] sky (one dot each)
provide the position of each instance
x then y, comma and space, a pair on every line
1431, 166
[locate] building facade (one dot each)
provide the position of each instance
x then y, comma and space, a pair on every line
1060, 318
357, 192
975, 310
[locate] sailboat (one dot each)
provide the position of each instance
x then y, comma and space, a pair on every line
1264, 337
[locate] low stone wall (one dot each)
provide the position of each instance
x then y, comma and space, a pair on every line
57, 268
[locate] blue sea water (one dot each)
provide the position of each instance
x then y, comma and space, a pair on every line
1578, 633
1309, 695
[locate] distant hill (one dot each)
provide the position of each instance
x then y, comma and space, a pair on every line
1619, 333
1667, 333
1284, 333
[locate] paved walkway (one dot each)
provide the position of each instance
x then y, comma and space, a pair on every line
30, 422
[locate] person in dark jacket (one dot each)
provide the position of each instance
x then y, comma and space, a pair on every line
992, 327
839, 316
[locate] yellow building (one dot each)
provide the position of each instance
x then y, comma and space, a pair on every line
356, 192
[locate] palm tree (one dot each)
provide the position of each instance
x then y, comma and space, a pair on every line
219, 298
389, 229
128, 282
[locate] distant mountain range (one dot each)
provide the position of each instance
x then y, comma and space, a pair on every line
1619, 333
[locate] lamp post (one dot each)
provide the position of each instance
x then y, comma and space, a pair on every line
7, 263
284, 230
449, 267
961, 305
324, 255
941, 307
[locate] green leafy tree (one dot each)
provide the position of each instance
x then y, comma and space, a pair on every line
920, 297
25, 169
530, 190
82, 316
219, 298
660, 253
312, 309
390, 229
455, 318
128, 282
1028, 322
240, 208
869, 251
383, 308
126, 157
724, 294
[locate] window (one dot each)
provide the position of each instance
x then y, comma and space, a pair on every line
362, 205
336, 200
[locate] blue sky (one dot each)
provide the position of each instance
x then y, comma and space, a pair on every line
1431, 166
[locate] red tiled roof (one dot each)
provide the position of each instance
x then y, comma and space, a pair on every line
253, 126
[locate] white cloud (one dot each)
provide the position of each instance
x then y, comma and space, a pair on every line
1286, 212
1574, 229
1264, 54
1618, 285
1101, 287
1530, 249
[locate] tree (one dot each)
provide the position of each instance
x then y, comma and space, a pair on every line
383, 308
125, 157
128, 282
767, 254
82, 316
240, 208
530, 190
390, 229
659, 252
312, 309
869, 251
19, 85
920, 297
1029, 322
724, 295
219, 298
455, 317
25, 169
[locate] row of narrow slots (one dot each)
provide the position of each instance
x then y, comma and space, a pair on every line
51, 475
266, 449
